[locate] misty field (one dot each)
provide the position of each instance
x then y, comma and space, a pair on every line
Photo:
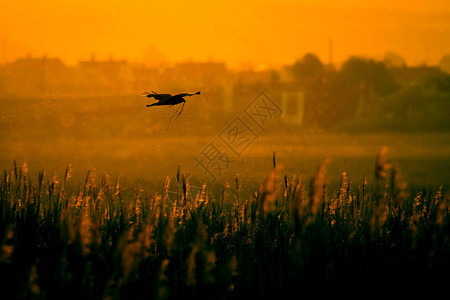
119, 136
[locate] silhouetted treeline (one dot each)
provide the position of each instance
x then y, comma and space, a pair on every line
365, 94
362, 94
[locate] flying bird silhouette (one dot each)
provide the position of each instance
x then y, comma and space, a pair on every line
169, 100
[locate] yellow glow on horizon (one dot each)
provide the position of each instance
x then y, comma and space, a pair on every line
258, 32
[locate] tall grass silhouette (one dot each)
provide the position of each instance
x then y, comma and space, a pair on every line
95, 241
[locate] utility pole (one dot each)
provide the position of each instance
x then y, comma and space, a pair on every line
4, 57
330, 51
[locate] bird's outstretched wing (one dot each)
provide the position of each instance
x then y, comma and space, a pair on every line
187, 94
159, 97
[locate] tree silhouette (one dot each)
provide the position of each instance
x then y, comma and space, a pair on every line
444, 63
308, 70
392, 59
368, 76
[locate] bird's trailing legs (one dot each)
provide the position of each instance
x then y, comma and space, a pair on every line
179, 110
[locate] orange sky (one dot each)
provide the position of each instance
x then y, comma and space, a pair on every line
259, 32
